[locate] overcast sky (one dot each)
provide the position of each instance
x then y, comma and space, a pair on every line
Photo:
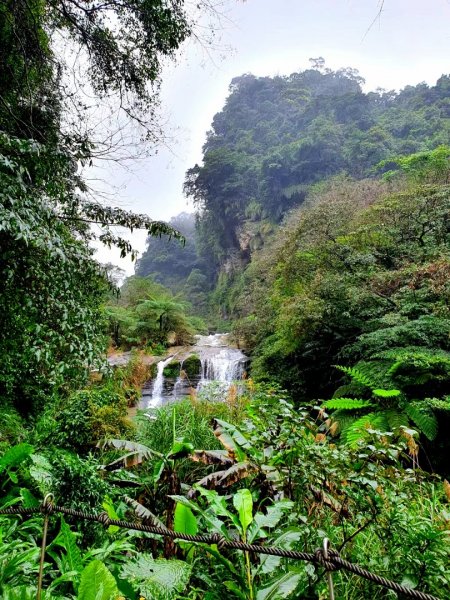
407, 44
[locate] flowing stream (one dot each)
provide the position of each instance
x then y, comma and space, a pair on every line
219, 362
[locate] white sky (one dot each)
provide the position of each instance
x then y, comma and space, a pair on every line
408, 44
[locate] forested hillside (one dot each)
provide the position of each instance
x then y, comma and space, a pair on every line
277, 136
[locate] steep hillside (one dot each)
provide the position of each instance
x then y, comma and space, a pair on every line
277, 136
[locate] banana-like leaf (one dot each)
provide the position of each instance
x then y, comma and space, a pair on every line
226, 477
243, 503
212, 457
180, 449
184, 520
143, 512
136, 453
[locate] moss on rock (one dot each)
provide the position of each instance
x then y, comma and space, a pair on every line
192, 366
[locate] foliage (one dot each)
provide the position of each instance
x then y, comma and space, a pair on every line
51, 325
146, 314
277, 136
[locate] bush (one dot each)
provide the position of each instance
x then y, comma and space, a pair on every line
89, 416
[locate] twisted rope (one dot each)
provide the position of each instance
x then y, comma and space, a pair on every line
332, 563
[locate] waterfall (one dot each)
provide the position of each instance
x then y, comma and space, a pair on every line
219, 361
179, 384
159, 383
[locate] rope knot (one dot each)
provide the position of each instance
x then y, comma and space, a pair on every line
104, 519
326, 563
219, 540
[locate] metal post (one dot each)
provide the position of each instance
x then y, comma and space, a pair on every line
47, 500
326, 543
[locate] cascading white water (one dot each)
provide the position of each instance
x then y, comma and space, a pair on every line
219, 362
158, 385
179, 384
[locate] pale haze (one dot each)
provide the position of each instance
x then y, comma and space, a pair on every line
407, 43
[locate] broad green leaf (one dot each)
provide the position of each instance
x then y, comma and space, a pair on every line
15, 455
282, 587
180, 449
97, 583
184, 520
243, 503
111, 512
157, 578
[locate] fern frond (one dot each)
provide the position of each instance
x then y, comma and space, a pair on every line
386, 393
423, 418
358, 430
396, 419
437, 403
357, 375
347, 404
344, 420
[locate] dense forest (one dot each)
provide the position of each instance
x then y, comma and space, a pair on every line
320, 241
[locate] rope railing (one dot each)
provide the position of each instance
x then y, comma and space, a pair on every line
327, 558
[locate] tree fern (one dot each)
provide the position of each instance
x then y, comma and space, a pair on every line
358, 430
386, 393
423, 418
347, 404
396, 419
358, 375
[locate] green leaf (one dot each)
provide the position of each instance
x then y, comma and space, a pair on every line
97, 583
28, 499
111, 512
243, 503
67, 540
158, 578
181, 449
282, 587
184, 520
386, 393
235, 588
423, 418
357, 375
15, 456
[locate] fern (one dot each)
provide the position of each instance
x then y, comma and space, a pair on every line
423, 418
358, 430
67, 540
347, 404
358, 375
396, 419
386, 393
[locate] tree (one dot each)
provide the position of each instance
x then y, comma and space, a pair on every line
51, 324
